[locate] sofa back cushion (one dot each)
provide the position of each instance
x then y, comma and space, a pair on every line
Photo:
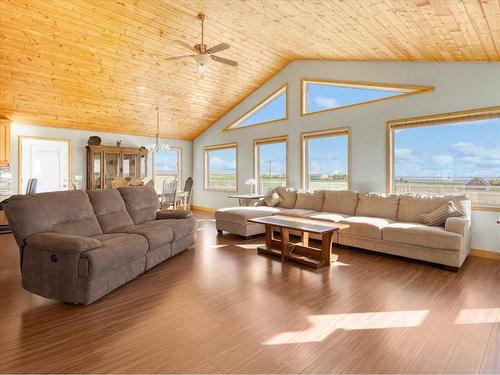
378, 205
110, 209
288, 196
413, 206
341, 201
310, 200
141, 202
67, 212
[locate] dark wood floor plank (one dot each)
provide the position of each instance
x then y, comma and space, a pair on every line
221, 308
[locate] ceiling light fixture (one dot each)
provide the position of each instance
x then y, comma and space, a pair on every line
158, 147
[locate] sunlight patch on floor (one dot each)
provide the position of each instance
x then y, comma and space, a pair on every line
477, 316
322, 326
252, 246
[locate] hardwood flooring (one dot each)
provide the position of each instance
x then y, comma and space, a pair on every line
222, 308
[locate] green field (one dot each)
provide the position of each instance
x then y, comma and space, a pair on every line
228, 182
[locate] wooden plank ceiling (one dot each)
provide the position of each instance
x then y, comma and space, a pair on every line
99, 64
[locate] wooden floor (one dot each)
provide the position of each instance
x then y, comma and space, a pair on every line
222, 308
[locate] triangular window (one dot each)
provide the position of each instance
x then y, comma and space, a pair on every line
273, 108
325, 96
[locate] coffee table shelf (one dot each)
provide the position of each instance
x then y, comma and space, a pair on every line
299, 252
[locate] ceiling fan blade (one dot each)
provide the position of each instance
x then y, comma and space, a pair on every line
178, 57
218, 48
185, 45
224, 61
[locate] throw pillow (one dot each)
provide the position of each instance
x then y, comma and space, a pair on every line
439, 215
273, 199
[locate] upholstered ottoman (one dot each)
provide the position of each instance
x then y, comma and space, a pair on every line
234, 219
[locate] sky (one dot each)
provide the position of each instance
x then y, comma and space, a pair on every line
274, 110
324, 96
328, 155
273, 158
222, 161
166, 162
466, 149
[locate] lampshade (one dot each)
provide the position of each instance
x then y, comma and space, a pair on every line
250, 181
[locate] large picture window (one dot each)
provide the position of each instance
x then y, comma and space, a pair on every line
322, 95
326, 160
449, 154
167, 167
270, 163
221, 167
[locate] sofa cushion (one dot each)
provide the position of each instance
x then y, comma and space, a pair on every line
422, 235
310, 200
67, 212
117, 250
110, 209
62, 242
342, 201
239, 215
365, 226
378, 205
327, 216
180, 227
297, 212
288, 196
156, 232
141, 201
413, 206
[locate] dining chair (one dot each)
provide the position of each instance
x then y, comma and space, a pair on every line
188, 189
168, 195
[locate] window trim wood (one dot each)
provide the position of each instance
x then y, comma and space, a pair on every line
256, 157
322, 134
205, 166
434, 120
410, 90
259, 106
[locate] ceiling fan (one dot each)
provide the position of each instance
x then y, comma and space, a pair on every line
203, 54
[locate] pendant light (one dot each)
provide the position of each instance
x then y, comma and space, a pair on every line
158, 147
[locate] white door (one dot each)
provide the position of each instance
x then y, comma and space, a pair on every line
46, 160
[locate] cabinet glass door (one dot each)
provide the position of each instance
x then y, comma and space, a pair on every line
111, 168
96, 170
129, 165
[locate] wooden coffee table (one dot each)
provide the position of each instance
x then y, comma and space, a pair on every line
299, 252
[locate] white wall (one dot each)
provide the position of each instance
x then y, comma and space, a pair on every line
79, 141
458, 86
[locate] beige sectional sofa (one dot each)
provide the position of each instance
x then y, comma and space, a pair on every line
387, 223
78, 246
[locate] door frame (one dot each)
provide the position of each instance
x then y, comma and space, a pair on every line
20, 157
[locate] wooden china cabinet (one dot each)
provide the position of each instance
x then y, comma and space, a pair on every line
105, 163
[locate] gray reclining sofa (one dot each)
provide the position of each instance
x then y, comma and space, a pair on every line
78, 246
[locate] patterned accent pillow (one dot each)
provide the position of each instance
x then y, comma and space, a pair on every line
272, 200
439, 215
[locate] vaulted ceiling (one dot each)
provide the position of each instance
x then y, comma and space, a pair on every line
100, 64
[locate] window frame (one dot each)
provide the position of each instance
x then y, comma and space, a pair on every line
256, 157
433, 120
256, 108
323, 134
206, 173
407, 91
179, 165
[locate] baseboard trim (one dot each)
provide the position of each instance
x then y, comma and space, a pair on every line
485, 254
200, 208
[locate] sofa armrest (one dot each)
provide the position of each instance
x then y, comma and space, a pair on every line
458, 225
62, 243
173, 214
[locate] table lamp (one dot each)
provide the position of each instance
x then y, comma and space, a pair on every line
252, 183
